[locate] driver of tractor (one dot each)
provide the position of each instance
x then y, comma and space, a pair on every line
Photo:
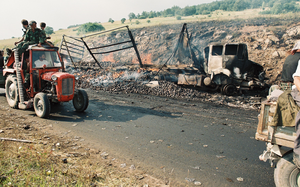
41, 61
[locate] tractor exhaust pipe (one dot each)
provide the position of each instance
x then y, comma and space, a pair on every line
22, 105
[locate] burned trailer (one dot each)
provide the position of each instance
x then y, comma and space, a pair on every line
226, 67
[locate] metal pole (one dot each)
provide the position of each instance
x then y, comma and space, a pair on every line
91, 53
61, 42
135, 48
69, 54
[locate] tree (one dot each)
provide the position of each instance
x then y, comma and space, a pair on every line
144, 15
131, 16
123, 20
49, 30
90, 27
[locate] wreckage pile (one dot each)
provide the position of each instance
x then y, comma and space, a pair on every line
143, 81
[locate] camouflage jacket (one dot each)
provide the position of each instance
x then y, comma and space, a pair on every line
24, 31
43, 36
32, 37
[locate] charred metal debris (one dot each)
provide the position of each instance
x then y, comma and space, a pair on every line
223, 67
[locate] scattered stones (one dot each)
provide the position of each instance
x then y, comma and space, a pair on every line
220, 156
197, 183
240, 179
123, 165
104, 155
139, 177
196, 167
132, 167
205, 145
190, 179
229, 179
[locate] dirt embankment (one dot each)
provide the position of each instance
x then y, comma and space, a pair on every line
268, 41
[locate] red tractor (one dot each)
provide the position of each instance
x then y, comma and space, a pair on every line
38, 80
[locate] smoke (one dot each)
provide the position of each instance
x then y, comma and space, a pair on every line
111, 78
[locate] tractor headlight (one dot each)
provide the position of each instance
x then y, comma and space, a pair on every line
53, 77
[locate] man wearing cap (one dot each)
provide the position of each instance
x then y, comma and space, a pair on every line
24, 29
31, 37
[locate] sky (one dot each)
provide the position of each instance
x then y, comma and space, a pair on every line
59, 14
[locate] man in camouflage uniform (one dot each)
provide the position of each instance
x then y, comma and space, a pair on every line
32, 37
43, 37
24, 29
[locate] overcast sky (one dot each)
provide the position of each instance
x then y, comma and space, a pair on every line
63, 13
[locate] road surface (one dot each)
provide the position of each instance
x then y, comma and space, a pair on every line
175, 140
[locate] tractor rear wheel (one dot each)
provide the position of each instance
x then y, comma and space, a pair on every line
41, 105
80, 100
11, 91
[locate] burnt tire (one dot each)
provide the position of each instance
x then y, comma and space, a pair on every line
286, 173
11, 91
41, 105
228, 89
80, 100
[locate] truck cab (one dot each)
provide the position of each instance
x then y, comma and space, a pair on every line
226, 67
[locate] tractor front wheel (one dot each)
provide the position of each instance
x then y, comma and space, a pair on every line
41, 105
11, 91
80, 100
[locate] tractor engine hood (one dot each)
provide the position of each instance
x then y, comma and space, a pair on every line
52, 76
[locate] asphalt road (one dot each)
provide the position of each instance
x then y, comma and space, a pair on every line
175, 140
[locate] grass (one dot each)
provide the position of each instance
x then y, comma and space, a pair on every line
36, 165
41, 163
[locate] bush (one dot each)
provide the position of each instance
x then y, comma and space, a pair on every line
178, 17
111, 20
90, 27
123, 20
49, 30
137, 22
148, 21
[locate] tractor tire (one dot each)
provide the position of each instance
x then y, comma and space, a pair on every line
41, 105
80, 100
286, 173
11, 91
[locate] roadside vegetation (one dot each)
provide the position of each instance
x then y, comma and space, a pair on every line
51, 160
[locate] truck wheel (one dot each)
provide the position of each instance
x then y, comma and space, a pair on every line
11, 91
41, 105
286, 172
228, 89
80, 100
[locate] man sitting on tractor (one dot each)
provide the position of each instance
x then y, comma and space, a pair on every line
32, 37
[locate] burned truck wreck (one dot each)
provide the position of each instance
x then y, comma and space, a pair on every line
221, 66
225, 66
